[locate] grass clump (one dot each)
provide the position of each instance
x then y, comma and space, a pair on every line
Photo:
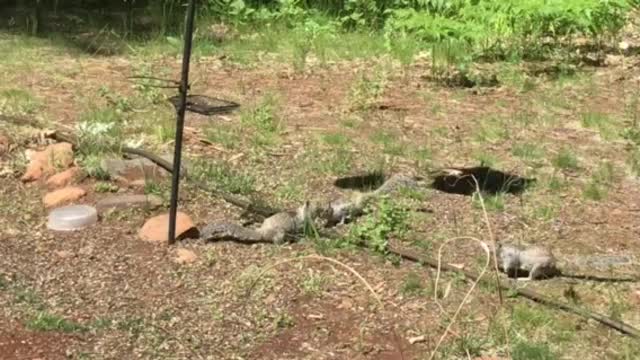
263, 120
223, 176
367, 90
18, 101
412, 285
385, 219
566, 160
45, 321
598, 186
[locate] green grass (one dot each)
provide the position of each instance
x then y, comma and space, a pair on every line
297, 45
412, 285
313, 283
105, 187
367, 88
566, 160
601, 122
528, 151
18, 101
486, 159
45, 321
492, 130
494, 203
634, 162
223, 176
263, 120
597, 187
389, 142
336, 139
99, 131
336, 162
292, 191
523, 350
223, 134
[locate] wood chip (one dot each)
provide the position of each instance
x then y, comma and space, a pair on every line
417, 339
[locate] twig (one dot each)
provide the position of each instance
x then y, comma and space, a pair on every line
491, 237
485, 247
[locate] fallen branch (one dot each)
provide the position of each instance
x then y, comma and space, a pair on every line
526, 293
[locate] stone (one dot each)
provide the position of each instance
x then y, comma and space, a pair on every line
156, 229
63, 178
185, 256
53, 157
121, 202
135, 170
62, 196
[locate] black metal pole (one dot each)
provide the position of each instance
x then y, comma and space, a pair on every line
184, 87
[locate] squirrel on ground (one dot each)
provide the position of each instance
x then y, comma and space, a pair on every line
281, 226
274, 229
539, 263
536, 261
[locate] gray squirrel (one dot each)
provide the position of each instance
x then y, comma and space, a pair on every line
539, 263
274, 229
284, 225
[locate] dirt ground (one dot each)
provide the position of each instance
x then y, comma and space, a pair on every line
108, 295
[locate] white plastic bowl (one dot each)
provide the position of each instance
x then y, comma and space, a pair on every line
70, 218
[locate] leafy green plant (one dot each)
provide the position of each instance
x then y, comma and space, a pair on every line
380, 222
99, 131
105, 187
492, 28
91, 164
367, 90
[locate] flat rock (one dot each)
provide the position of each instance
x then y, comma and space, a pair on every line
121, 202
54, 157
135, 170
63, 178
62, 196
603, 261
185, 256
156, 229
